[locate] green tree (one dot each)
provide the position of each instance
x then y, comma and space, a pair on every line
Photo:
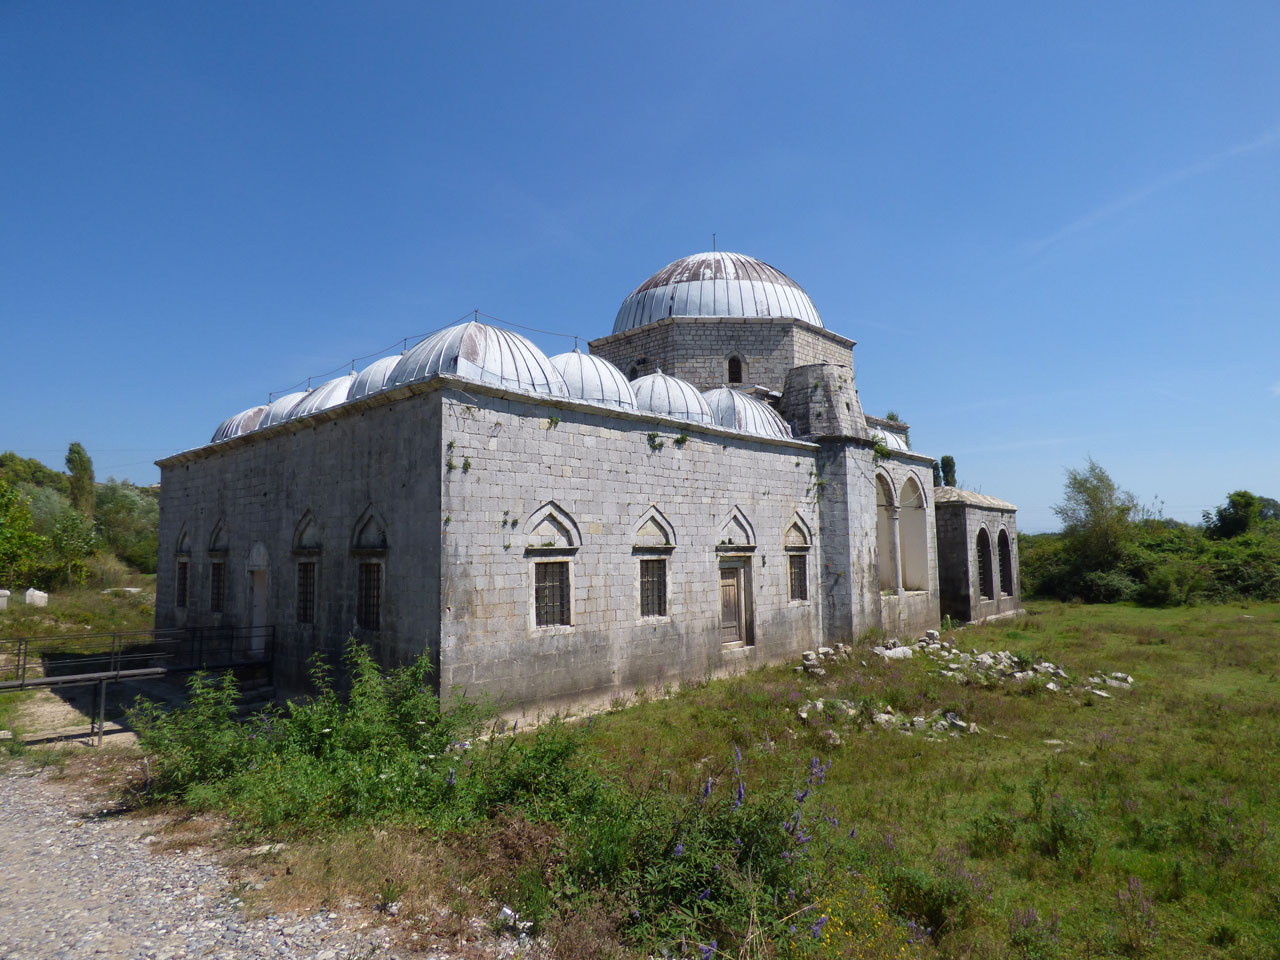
81, 469
128, 519
1241, 512
948, 471
1096, 518
937, 474
73, 542
15, 470
20, 548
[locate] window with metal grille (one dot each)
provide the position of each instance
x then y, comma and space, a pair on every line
653, 588
306, 591
180, 585
217, 586
369, 597
798, 567
551, 593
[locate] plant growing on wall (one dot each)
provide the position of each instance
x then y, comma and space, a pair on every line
655, 442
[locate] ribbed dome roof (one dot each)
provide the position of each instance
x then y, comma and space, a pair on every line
242, 422
716, 284
477, 351
891, 440
328, 394
280, 409
373, 378
735, 410
658, 393
595, 380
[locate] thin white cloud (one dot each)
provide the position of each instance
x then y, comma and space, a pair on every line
1139, 194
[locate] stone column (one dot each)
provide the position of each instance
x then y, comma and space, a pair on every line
897, 548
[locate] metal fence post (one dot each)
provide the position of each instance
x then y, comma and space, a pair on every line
102, 708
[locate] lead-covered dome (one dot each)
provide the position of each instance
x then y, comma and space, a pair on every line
595, 380
669, 397
734, 410
716, 284
280, 409
477, 351
373, 378
242, 422
328, 394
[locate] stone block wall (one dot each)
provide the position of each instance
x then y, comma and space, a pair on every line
958, 526
603, 473
697, 349
381, 458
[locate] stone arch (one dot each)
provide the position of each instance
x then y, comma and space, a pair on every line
887, 558
259, 559
913, 535
306, 535
1005, 553
551, 525
653, 529
735, 369
218, 539
736, 530
370, 532
798, 533
982, 547
182, 569
183, 548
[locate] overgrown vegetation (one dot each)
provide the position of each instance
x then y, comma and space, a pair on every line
1073, 826
63, 529
1111, 549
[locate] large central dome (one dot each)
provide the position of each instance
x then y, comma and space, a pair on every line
716, 284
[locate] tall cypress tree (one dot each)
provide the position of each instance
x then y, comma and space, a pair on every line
81, 469
949, 470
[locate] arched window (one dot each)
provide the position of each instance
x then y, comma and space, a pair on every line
182, 569
306, 551
797, 549
985, 590
887, 561
554, 538
218, 568
913, 537
653, 543
633, 371
1006, 563
735, 370
369, 545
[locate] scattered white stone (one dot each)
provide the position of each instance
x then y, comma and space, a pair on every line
1052, 687
36, 598
1101, 693
4, 599
933, 636
898, 653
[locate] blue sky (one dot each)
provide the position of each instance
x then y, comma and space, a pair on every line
1052, 229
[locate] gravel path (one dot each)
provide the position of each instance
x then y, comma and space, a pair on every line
76, 885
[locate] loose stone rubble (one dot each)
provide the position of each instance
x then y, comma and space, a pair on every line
984, 669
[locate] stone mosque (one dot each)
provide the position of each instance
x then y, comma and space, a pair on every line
700, 493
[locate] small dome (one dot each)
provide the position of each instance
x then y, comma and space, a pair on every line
734, 410
477, 351
658, 393
595, 380
280, 410
242, 422
716, 284
373, 378
328, 394
893, 441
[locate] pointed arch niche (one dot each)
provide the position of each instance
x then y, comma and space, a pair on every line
554, 538
737, 535
653, 540
886, 552
796, 542
1006, 563
306, 554
983, 545
182, 570
369, 547
913, 536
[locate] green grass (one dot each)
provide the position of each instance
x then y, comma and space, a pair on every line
82, 610
1176, 783
715, 813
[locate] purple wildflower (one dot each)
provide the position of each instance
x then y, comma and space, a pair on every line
817, 927
707, 951
737, 753
853, 833
450, 781
802, 796
705, 894
706, 790
679, 850
741, 795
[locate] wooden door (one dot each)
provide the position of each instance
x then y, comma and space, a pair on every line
731, 604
